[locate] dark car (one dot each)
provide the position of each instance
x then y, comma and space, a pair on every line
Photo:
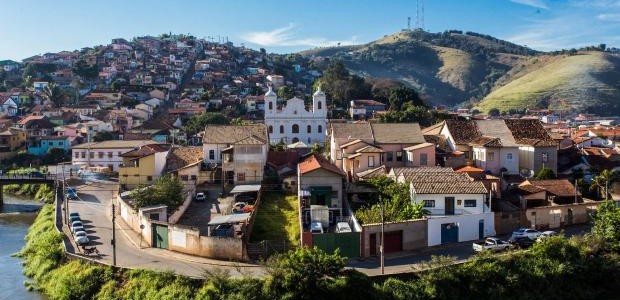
72, 193
36, 174
522, 242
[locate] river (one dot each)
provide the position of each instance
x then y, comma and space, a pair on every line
15, 217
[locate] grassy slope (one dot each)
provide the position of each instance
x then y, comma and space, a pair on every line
277, 219
564, 82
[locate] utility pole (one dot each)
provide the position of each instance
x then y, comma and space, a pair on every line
576, 191
382, 249
113, 236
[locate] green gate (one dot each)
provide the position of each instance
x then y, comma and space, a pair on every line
160, 236
348, 242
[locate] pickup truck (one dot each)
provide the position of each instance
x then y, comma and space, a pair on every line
491, 244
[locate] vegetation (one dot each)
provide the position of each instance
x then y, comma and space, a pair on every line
394, 197
103, 136
340, 86
544, 173
601, 182
54, 94
555, 268
82, 69
277, 219
410, 113
197, 123
167, 190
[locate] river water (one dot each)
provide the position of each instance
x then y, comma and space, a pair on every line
15, 217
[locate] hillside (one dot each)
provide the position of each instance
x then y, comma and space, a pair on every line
588, 81
455, 68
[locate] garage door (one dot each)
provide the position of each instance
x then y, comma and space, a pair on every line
393, 241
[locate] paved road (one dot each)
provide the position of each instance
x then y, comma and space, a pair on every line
404, 262
95, 208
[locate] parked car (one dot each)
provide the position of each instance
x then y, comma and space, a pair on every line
491, 244
522, 242
76, 226
525, 232
242, 207
71, 193
82, 240
80, 233
74, 218
546, 234
316, 227
74, 214
200, 197
343, 227
224, 230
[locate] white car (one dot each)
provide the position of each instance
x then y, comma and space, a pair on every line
316, 227
546, 234
75, 225
82, 240
201, 197
80, 233
525, 232
491, 244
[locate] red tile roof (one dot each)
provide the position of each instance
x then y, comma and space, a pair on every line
315, 162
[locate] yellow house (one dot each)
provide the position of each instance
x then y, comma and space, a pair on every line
12, 139
143, 166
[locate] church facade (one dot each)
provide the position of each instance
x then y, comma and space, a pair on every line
293, 122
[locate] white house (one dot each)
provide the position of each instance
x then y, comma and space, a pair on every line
293, 123
457, 204
104, 154
240, 151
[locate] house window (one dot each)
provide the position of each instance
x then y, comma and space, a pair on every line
91, 154
390, 156
83, 154
295, 128
470, 203
120, 153
270, 129
211, 154
100, 154
240, 176
320, 129
491, 156
338, 155
309, 129
423, 159
320, 105
399, 156
184, 177
281, 128
149, 178
429, 203
110, 154
509, 156
371, 161
193, 177
270, 105
77, 155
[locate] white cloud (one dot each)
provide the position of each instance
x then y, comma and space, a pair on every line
596, 3
533, 3
285, 37
609, 17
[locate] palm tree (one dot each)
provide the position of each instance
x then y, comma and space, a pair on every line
53, 93
601, 181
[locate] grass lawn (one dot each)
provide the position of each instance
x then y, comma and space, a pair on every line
277, 219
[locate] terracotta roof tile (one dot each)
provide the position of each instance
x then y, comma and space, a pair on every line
315, 162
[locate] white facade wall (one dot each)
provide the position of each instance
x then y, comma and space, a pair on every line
217, 152
160, 162
115, 161
295, 113
440, 200
468, 226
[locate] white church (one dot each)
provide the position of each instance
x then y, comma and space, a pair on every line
293, 123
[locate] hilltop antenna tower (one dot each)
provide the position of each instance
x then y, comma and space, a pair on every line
408, 23
419, 14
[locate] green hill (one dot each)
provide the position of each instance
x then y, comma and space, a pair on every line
588, 81
455, 68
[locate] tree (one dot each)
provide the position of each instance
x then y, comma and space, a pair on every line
84, 70
401, 95
306, 273
198, 122
544, 173
286, 93
607, 222
601, 182
118, 83
167, 190
103, 136
53, 93
494, 112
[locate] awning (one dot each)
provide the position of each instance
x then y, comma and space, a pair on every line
245, 188
229, 219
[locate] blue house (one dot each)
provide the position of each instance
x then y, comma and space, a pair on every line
40, 146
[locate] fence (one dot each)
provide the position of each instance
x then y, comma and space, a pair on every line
264, 249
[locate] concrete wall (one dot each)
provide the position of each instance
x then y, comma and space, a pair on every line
531, 158
440, 202
414, 235
468, 226
556, 216
413, 157
189, 196
507, 222
188, 240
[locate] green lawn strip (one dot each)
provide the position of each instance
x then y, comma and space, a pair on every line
277, 219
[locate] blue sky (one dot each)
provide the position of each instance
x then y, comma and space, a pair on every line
33, 27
